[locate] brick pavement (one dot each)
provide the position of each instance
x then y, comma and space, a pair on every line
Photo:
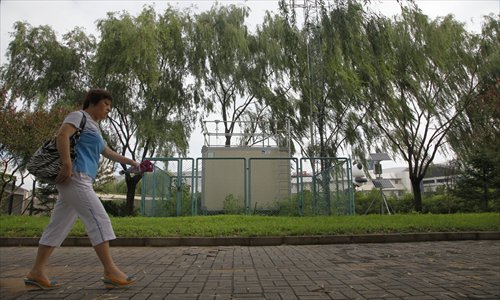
425, 270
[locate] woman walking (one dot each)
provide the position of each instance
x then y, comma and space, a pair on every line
77, 197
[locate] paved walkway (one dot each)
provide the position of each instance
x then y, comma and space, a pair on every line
425, 270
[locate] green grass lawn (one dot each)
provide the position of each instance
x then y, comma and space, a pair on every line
247, 226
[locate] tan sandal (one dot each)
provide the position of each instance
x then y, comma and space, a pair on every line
41, 284
111, 283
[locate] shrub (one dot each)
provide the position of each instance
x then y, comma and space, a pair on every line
117, 208
403, 204
168, 207
437, 204
288, 207
233, 205
368, 203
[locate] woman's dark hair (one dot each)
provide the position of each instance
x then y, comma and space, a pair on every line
95, 95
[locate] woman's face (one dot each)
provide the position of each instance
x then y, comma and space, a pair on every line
102, 109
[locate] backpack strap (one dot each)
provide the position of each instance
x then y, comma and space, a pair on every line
82, 122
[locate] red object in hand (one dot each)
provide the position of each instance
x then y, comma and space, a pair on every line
145, 166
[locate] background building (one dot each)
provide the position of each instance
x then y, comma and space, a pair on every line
437, 176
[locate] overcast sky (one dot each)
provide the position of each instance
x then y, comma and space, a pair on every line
64, 15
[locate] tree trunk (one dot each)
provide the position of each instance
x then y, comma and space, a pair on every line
484, 204
417, 193
131, 185
2, 190
228, 139
11, 199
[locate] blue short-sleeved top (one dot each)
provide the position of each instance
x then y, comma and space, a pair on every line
89, 147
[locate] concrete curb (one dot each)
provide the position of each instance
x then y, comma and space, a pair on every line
268, 240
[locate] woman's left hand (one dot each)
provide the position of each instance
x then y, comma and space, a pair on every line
64, 174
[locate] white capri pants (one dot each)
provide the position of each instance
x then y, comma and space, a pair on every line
78, 199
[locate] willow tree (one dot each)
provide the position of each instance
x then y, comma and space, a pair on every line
142, 61
224, 65
322, 70
329, 70
278, 108
479, 125
476, 138
42, 79
41, 71
433, 76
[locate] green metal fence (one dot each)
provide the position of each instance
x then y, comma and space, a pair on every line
238, 185
168, 190
331, 190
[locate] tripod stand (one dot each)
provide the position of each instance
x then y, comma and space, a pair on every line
381, 184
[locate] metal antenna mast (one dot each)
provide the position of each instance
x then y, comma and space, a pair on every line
313, 10
312, 27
